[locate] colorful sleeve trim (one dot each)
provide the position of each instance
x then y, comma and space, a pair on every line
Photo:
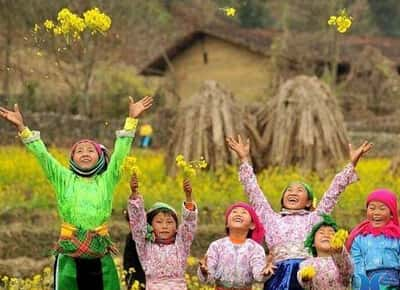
34, 136
130, 124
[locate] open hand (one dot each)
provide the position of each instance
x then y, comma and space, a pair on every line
14, 117
356, 154
270, 267
241, 148
135, 109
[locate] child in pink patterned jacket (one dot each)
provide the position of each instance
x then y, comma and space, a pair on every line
288, 228
238, 260
162, 246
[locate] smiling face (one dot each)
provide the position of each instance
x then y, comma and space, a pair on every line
323, 238
296, 197
378, 214
239, 218
85, 155
164, 225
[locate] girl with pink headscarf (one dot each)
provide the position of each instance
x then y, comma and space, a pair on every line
238, 260
374, 244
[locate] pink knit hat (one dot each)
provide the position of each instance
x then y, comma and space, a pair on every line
258, 233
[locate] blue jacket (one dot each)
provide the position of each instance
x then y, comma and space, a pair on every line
375, 252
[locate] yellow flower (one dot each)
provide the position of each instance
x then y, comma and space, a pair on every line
48, 24
57, 31
97, 21
339, 239
307, 273
192, 261
342, 22
36, 28
230, 11
332, 20
70, 24
189, 168
130, 167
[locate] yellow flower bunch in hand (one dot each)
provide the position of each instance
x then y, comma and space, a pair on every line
307, 273
342, 22
130, 166
338, 240
189, 168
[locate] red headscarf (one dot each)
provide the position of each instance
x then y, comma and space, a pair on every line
390, 230
258, 233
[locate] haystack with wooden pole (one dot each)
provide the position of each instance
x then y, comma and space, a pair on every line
302, 125
201, 126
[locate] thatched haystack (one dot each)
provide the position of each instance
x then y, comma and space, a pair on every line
302, 125
373, 83
201, 126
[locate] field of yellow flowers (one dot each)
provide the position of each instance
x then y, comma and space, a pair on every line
23, 185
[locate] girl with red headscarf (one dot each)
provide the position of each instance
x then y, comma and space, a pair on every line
238, 260
375, 243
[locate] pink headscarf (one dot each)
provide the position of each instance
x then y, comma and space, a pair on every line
258, 233
94, 143
390, 230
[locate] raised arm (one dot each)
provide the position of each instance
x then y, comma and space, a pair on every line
138, 224
54, 171
344, 265
346, 177
124, 140
187, 229
249, 180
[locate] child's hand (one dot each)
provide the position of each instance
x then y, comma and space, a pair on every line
14, 117
203, 266
307, 273
187, 188
134, 184
135, 109
242, 149
355, 155
269, 269
338, 240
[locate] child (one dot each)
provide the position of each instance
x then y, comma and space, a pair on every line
162, 246
84, 199
238, 260
146, 136
375, 243
330, 261
287, 229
